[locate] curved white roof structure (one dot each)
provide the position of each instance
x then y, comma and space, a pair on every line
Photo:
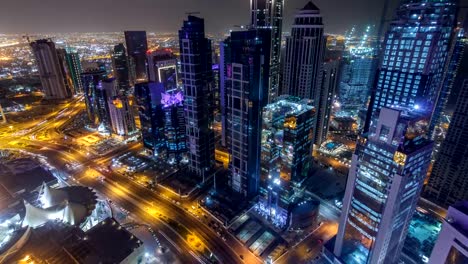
56, 205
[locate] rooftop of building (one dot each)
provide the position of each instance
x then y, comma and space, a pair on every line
23, 175
289, 106
309, 8
107, 242
111, 241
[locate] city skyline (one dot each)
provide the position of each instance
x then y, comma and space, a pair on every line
154, 17
190, 147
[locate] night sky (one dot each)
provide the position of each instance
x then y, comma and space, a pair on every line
49, 16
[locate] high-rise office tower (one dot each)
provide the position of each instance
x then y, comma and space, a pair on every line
162, 68
75, 70
456, 73
450, 247
104, 93
286, 147
246, 91
120, 66
413, 58
91, 78
67, 79
448, 182
197, 78
355, 80
384, 183
148, 97
269, 14
136, 49
174, 126
302, 76
224, 58
50, 69
325, 101
121, 116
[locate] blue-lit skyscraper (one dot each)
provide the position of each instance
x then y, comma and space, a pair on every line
268, 14
384, 183
354, 88
246, 92
197, 78
413, 57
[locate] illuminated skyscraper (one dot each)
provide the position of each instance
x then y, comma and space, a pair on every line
121, 116
121, 68
50, 69
448, 182
414, 54
355, 81
74, 68
286, 147
91, 79
383, 187
67, 78
136, 49
246, 92
325, 101
174, 126
162, 68
269, 14
148, 97
197, 78
302, 76
104, 93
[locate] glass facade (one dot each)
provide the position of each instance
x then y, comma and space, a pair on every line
286, 147
413, 57
136, 49
268, 14
120, 66
384, 183
246, 90
198, 82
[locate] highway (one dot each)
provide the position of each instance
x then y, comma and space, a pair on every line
311, 246
43, 138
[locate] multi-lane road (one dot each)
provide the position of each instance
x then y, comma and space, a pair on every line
154, 209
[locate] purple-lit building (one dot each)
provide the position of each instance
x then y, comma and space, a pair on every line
452, 245
174, 126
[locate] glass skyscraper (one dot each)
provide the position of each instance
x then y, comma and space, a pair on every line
268, 14
121, 68
74, 68
198, 81
384, 183
148, 97
305, 49
448, 182
246, 92
136, 49
413, 57
286, 147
